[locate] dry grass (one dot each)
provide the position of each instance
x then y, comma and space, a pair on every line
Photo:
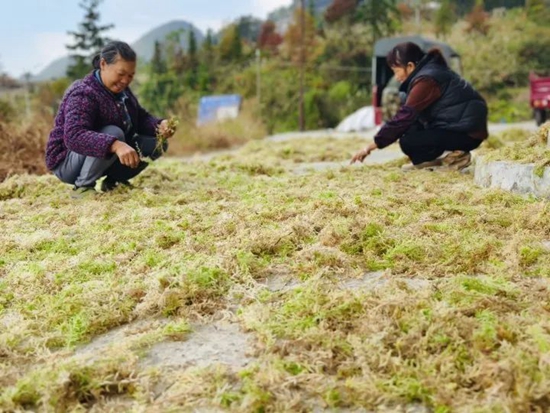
22, 147
197, 240
520, 146
191, 138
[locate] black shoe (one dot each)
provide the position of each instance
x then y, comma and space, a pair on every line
109, 184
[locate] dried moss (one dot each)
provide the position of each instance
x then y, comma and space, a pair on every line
198, 240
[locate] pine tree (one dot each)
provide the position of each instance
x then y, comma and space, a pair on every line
88, 41
207, 50
209, 41
207, 65
312, 10
236, 45
192, 50
231, 48
193, 61
158, 64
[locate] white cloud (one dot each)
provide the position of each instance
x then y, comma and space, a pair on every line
263, 7
128, 34
132, 18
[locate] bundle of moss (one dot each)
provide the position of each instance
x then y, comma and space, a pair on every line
543, 133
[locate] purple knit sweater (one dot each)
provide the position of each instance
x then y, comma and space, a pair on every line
87, 107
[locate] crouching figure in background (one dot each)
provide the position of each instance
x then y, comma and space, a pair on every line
442, 112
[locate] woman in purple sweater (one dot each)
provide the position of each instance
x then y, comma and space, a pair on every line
101, 129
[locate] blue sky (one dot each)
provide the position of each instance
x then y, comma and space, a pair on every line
34, 32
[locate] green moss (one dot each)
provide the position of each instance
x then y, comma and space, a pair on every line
197, 240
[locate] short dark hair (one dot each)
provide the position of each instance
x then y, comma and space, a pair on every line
112, 50
409, 52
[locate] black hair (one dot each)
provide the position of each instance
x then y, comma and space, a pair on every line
111, 51
405, 53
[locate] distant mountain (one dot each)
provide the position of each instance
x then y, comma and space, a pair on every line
54, 70
144, 48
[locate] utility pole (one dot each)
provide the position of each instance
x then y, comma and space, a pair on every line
258, 77
302, 62
417, 15
27, 77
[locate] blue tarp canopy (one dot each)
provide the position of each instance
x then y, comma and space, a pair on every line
214, 108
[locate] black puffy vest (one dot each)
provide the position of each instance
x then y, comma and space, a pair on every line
460, 107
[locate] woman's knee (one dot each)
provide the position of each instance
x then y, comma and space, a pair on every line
114, 131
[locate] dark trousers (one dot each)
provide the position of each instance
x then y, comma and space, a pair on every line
81, 170
422, 145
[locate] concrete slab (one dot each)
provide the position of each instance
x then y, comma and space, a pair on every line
513, 177
219, 343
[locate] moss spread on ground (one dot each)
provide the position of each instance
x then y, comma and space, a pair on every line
461, 323
520, 146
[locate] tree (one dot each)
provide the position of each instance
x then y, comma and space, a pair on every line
478, 19
88, 40
444, 18
192, 49
382, 17
538, 11
249, 28
269, 39
6, 81
192, 61
231, 48
340, 8
158, 64
405, 11
292, 39
175, 57
312, 9
208, 44
207, 52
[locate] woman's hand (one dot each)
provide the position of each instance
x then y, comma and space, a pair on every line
166, 130
363, 153
126, 154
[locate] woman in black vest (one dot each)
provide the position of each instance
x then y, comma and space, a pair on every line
442, 112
